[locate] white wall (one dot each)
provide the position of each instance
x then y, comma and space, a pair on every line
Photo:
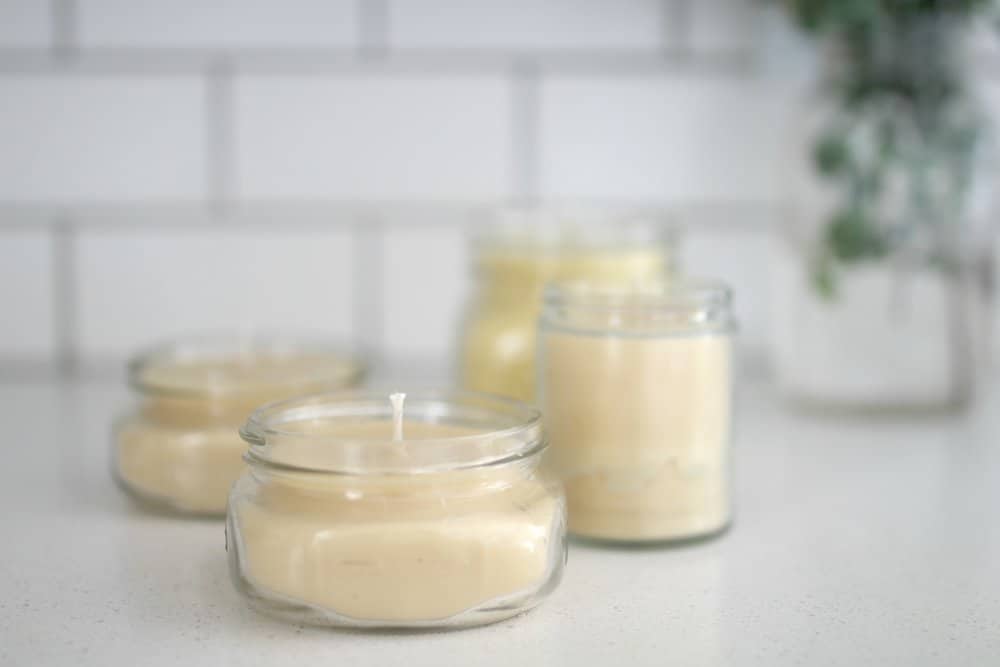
169, 166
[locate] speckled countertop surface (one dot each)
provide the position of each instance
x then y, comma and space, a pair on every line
857, 543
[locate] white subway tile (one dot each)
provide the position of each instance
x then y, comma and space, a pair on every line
218, 24
526, 24
26, 332
739, 257
373, 137
722, 26
425, 282
672, 137
138, 287
101, 138
25, 23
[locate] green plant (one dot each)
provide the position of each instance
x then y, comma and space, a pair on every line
901, 144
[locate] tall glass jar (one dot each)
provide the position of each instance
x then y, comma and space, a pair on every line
433, 514
180, 448
635, 386
517, 256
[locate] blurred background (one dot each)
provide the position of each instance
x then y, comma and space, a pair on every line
315, 165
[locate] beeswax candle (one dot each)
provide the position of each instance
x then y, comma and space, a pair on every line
512, 266
339, 521
636, 397
181, 449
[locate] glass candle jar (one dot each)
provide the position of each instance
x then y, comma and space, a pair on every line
512, 264
440, 519
181, 449
636, 393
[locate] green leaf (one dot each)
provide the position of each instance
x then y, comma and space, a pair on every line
831, 154
852, 237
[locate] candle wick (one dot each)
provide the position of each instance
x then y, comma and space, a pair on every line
397, 414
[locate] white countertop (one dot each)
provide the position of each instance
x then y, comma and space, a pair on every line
856, 543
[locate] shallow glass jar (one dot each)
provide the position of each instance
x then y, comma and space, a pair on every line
513, 261
180, 448
635, 386
341, 521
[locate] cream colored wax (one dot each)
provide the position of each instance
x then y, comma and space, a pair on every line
182, 448
405, 549
639, 427
191, 471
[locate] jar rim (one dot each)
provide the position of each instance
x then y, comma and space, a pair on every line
650, 307
681, 293
351, 365
503, 430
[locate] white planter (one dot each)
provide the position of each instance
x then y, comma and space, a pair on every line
891, 338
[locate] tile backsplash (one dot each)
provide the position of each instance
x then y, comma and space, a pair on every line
314, 165
71, 137
137, 286
372, 136
527, 25
664, 137
217, 24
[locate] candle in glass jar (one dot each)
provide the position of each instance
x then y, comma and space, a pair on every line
512, 267
181, 449
636, 395
350, 517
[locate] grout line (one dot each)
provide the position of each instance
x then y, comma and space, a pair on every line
65, 33
367, 292
526, 111
305, 215
373, 29
220, 140
371, 60
64, 305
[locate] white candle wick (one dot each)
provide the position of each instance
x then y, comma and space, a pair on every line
397, 414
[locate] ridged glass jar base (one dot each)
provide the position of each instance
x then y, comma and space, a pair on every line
295, 611
480, 568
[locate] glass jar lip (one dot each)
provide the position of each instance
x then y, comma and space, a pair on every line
229, 346
683, 293
545, 230
643, 307
512, 431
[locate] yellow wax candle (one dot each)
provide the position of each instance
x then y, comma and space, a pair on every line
181, 449
636, 397
341, 522
512, 267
